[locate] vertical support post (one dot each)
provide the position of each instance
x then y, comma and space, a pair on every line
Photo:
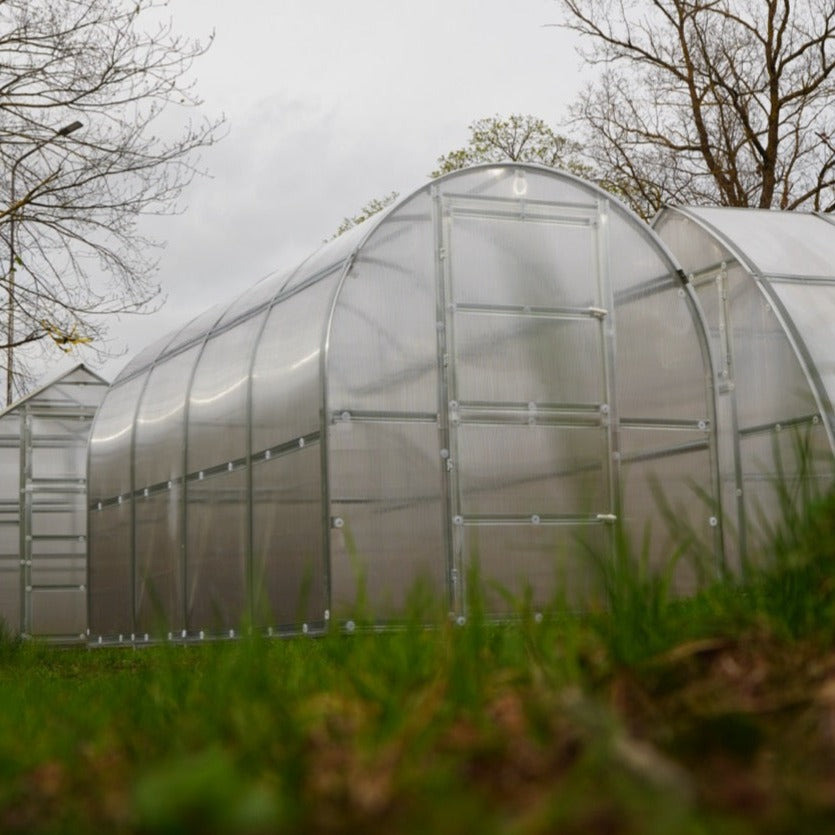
611, 415
26, 518
454, 576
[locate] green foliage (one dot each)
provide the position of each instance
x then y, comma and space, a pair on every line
647, 714
518, 138
371, 208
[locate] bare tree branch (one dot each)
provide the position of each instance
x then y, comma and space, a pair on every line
711, 101
71, 199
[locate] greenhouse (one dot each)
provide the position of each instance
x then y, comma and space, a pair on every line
493, 372
43, 508
766, 282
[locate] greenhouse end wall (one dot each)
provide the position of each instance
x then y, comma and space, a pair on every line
43, 507
766, 282
495, 371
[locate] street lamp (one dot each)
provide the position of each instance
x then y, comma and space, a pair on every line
64, 131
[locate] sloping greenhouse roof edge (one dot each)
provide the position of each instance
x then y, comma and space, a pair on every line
49, 383
345, 247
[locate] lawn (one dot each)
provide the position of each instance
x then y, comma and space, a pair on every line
714, 714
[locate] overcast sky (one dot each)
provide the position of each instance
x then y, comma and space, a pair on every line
330, 104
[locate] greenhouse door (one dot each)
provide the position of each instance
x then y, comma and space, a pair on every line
525, 354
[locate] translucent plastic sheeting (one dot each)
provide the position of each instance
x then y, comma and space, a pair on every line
159, 441
393, 366
695, 252
110, 571
515, 262
386, 524
216, 549
521, 359
43, 508
52, 609
258, 295
660, 365
452, 377
770, 383
159, 561
540, 565
218, 419
531, 470
289, 567
286, 380
517, 183
776, 243
781, 466
812, 309
668, 499
111, 442
328, 258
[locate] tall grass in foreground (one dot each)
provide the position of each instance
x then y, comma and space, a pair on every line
650, 714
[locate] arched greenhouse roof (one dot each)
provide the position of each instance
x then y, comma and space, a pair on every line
501, 365
791, 256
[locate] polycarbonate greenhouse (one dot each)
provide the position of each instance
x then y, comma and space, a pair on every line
43, 508
495, 369
766, 283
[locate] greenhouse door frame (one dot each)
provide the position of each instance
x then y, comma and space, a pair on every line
457, 414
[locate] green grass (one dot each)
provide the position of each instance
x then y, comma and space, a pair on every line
712, 714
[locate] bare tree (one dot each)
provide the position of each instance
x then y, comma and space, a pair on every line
519, 138
90, 91
728, 102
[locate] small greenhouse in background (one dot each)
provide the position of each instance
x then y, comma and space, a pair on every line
766, 283
496, 369
43, 507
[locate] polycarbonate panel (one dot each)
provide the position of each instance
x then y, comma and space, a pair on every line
286, 388
812, 309
110, 441
10, 585
61, 460
59, 517
517, 262
383, 342
659, 368
531, 470
669, 500
216, 544
259, 294
9, 533
552, 563
160, 423
59, 612
523, 359
288, 561
781, 243
10, 459
159, 562
769, 380
146, 356
197, 327
694, 248
60, 570
795, 461
217, 414
634, 257
386, 491
331, 256
64, 547
513, 182
110, 571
